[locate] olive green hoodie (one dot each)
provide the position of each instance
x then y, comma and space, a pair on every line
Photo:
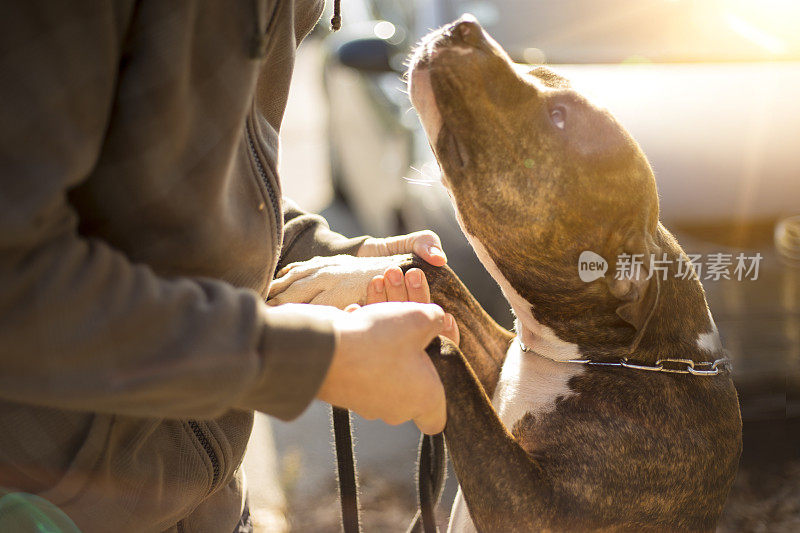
141, 222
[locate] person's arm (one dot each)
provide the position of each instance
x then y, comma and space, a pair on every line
306, 235
81, 327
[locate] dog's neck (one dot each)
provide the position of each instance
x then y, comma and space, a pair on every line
532, 334
539, 339
699, 340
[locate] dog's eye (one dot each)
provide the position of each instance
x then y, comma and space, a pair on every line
558, 116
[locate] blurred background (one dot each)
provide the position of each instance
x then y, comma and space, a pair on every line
710, 90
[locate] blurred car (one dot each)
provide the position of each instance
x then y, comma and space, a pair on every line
709, 88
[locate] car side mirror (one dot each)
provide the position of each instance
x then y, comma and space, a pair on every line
367, 54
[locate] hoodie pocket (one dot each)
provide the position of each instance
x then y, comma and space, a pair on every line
134, 475
82, 467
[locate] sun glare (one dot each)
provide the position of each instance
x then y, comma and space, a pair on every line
769, 24
754, 34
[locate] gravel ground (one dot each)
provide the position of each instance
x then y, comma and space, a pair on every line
764, 501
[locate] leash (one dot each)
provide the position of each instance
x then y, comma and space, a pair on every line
431, 473
345, 463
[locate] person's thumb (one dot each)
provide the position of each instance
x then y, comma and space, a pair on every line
428, 246
451, 329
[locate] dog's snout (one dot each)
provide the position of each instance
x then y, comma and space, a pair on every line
468, 30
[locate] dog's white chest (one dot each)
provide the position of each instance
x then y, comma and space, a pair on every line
528, 383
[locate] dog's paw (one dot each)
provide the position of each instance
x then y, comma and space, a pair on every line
337, 281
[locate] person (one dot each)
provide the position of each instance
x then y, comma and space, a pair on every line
141, 222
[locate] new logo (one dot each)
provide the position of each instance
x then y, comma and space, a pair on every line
591, 266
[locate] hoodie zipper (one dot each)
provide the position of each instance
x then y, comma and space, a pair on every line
263, 175
204, 440
258, 50
212, 455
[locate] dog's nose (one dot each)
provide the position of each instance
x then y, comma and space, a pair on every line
468, 30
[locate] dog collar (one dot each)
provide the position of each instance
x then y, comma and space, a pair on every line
671, 365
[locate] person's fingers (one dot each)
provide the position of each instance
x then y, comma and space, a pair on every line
417, 286
352, 307
425, 244
432, 422
376, 290
451, 329
395, 286
285, 270
372, 247
289, 275
428, 246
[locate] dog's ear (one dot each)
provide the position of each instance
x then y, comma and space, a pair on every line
632, 281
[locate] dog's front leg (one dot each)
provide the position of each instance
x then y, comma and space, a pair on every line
503, 486
484, 342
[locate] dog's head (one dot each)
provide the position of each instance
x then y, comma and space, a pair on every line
537, 174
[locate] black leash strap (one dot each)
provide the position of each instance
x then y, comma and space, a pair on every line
430, 476
348, 486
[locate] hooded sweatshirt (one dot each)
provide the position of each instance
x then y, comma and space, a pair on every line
141, 222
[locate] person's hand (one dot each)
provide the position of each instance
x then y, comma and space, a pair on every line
380, 368
338, 281
425, 244
393, 286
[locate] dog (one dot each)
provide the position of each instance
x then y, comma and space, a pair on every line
610, 408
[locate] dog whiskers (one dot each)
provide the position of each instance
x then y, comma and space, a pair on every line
423, 183
426, 180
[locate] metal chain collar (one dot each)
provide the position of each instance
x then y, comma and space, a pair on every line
673, 366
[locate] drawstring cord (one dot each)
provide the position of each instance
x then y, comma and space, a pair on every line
336, 19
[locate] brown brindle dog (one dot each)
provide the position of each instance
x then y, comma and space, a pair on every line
538, 175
